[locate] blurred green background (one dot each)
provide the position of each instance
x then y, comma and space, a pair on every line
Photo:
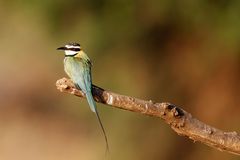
184, 52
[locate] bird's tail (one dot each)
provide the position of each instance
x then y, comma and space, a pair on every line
93, 107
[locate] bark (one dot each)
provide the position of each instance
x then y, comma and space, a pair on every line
179, 120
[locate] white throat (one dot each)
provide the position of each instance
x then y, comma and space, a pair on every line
70, 53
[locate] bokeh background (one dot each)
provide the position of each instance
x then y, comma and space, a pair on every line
184, 52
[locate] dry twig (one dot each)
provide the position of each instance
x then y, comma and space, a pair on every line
180, 121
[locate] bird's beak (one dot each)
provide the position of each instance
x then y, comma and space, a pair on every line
61, 48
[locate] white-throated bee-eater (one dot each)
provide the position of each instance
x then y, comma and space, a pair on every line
77, 65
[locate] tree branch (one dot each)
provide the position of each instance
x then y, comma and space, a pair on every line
180, 121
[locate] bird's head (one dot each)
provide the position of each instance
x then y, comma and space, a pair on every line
71, 49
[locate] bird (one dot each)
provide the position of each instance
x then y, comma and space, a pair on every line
78, 65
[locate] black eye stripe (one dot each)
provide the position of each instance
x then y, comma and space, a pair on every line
73, 49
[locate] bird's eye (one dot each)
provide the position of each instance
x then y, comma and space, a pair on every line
74, 49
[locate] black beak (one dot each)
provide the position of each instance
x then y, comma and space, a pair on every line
62, 48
